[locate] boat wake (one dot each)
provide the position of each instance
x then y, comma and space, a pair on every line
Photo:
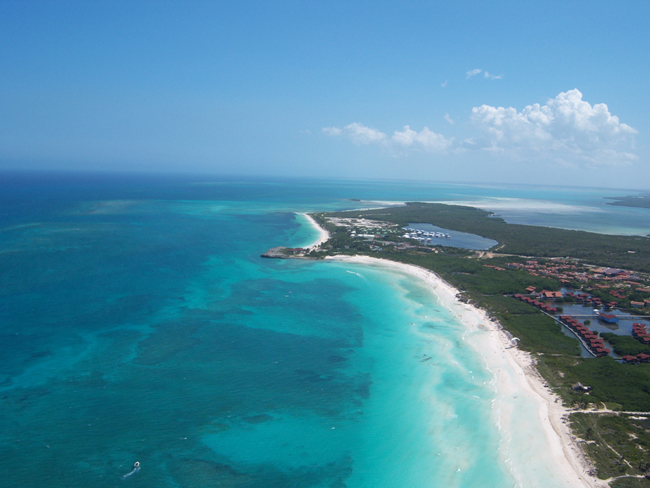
136, 468
359, 275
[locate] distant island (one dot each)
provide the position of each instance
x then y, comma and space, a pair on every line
524, 283
630, 201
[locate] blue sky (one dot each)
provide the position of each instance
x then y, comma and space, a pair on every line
515, 92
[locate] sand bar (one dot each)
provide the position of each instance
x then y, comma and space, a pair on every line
514, 375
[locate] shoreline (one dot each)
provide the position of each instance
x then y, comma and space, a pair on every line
562, 446
323, 234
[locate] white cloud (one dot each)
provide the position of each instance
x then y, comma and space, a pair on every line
427, 139
444, 84
332, 131
477, 71
408, 138
357, 133
360, 134
566, 128
492, 77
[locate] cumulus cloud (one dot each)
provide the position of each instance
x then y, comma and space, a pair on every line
360, 134
566, 128
405, 139
427, 139
474, 72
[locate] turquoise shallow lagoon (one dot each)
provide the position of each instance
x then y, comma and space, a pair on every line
139, 323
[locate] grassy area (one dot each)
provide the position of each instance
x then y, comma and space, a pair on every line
626, 385
630, 483
625, 345
607, 442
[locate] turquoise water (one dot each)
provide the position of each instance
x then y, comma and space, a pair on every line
139, 323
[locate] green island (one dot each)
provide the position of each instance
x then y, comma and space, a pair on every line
611, 416
631, 201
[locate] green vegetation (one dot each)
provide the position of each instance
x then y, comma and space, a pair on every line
630, 252
607, 442
630, 483
625, 345
627, 385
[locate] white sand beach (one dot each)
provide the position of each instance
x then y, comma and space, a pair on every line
514, 377
323, 234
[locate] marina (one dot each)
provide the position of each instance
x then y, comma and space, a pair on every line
432, 235
424, 236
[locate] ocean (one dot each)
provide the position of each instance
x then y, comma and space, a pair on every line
138, 322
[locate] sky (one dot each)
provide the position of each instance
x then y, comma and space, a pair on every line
549, 92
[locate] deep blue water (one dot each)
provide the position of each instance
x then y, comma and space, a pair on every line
138, 322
